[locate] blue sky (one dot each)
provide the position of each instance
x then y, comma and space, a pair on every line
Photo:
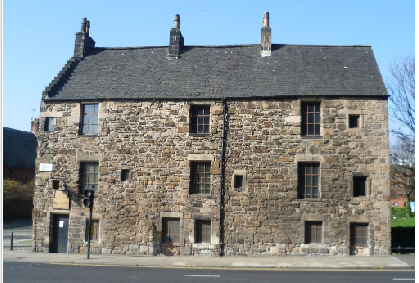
38, 36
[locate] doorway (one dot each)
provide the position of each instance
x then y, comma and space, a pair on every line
60, 233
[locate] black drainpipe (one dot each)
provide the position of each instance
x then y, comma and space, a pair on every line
222, 177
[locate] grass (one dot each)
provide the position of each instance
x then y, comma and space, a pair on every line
403, 222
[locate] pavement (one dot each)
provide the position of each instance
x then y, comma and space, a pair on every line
22, 252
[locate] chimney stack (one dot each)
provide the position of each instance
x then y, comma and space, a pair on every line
83, 41
265, 46
176, 39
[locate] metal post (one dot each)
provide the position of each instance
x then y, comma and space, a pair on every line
88, 232
11, 242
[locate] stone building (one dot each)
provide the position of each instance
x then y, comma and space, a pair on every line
238, 150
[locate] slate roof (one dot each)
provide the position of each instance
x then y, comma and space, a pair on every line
238, 71
19, 149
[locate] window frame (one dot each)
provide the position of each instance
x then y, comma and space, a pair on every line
49, 124
235, 182
350, 121
356, 181
302, 180
195, 177
125, 175
195, 116
317, 227
305, 124
86, 117
85, 176
201, 227
169, 227
353, 235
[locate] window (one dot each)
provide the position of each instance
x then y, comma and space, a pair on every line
238, 181
353, 121
55, 184
308, 180
359, 185
90, 175
125, 175
93, 230
200, 177
395, 195
314, 232
200, 119
359, 234
310, 122
171, 230
90, 119
49, 124
203, 228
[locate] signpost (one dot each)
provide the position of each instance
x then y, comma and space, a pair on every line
88, 202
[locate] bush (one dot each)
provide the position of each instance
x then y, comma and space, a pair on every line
13, 190
399, 212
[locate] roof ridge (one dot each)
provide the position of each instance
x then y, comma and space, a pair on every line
226, 46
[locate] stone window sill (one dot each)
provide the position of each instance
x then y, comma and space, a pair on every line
311, 137
201, 196
199, 135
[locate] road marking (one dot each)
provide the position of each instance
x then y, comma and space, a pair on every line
202, 276
403, 279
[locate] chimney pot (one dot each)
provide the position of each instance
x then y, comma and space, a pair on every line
177, 21
266, 19
83, 25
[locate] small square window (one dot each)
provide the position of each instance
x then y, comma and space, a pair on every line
314, 232
238, 181
49, 124
125, 175
203, 229
359, 185
353, 121
200, 119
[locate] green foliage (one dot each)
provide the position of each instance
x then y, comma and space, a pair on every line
400, 212
13, 191
403, 222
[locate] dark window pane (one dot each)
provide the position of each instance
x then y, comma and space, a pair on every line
317, 118
317, 130
311, 130
238, 181
359, 185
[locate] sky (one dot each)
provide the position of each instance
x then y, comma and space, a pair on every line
39, 36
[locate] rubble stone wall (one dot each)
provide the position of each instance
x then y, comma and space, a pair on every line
263, 144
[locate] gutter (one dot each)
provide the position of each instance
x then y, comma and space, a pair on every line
222, 178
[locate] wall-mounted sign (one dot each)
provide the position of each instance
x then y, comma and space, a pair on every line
45, 167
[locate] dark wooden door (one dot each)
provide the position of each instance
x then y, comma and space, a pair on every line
60, 231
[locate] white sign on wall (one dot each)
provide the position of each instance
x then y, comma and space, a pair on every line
45, 167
